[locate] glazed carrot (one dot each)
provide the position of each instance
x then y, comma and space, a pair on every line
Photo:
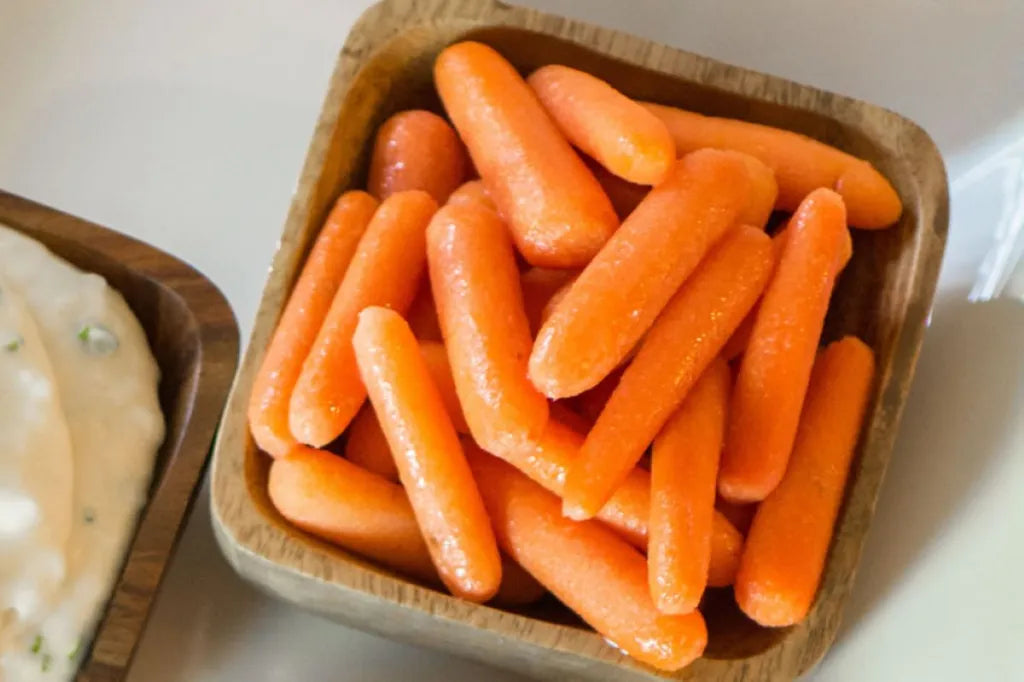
430, 460
385, 270
558, 214
624, 195
687, 336
472, 192
334, 499
619, 294
788, 542
684, 468
297, 329
518, 587
436, 358
776, 366
591, 402
476, 289
539, 285
726, 550
617, 132
366, 445
586, 566
416, 149
739, 515
422, 315
800, 163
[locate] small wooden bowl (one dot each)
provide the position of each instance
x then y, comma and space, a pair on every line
884, 297
194, 337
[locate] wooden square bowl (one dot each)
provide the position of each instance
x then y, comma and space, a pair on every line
884, 297
193, 335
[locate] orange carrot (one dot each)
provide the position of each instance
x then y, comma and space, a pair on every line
472, 192
539, 285
558, 214
684, 468
416, 149
518, 587
788, 542
590, 403
480, 305
587, 567
431, 463
297, 329
436, 358
560, 411
739, 515
385, 270
619, 294
737, 343
687, 336
726, 550
366, 445
422, 315
776, 366
332, 498
552, 304
625, 196
801, 164
617, 132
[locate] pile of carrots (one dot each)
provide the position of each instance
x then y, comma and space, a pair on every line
595, 376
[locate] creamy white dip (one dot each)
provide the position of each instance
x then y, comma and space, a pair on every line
80, 424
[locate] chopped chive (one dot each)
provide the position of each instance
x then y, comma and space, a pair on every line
47, 662
14, 344
89, 515
74, 652
97, 339
37, 644
83, 333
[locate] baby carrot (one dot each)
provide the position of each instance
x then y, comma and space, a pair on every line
366, 445
726, 550
739, 515
539, 285
587, 567
619, 294
776, 366
297, 329
800, 163
684, 467
617, 132
422, 315
436, 358
385, 270
786, 548
552, 304
332, 498
472, 192
624, 195
561, 412
687, 336
518, 587
476, 289
430, 460
416, 149
591, 402
558, 214
737, 343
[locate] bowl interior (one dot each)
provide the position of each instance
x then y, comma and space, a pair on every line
872, 297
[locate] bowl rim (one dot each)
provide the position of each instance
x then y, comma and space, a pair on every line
386, 21
161, 521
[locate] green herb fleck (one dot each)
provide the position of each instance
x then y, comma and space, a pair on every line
14, 344
74, 652
97, 339
47, 662
37, 644
89, 515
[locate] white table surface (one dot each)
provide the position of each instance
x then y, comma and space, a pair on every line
185, 123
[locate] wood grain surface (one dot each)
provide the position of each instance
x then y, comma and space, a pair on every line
884, 297
193, 335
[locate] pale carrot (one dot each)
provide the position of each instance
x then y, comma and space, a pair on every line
436, 358
625, 196
476, 289
518, 588
739, 515
416, 149
539, 285
422, 315
297, 329
472, 192
430, 460
617, 132
338, 501
800, 163
587, 567
684, 468
619, 294
776, 366
788, 542
385, 270
366, 445
688, 335
558, 214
